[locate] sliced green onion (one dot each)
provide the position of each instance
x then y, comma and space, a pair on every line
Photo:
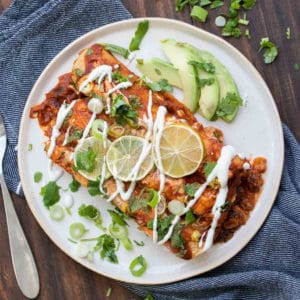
288, 33
116, 49
82, 250
138, 266
139, 35
117, 218
247, 34
56, 212
118, 231
199, 13
77, 230
220, 21
108, 293
97, 128
115, 131
176, 207
126, 242
95, 105
205, 2
155, 198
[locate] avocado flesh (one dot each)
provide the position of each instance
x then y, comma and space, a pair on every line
226, 82
157, 69
180, 54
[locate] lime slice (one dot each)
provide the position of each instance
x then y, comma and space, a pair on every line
96, 145
181, 150
122, 156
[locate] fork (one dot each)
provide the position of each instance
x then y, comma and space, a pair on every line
22, 259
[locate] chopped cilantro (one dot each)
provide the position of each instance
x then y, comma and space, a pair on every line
30, 147
181, 4
135, 102
118, 77
157, 71
141, 244
248, 4
79, 72
271, 50
191, 188
86, 161
136, 203
296, 67
204, 66
160, 86
75, 135
226, 206
228, 104
117, 218
50, 193
216, 3
163, 225
205, 2
89, 51
176, 239
74, 185
206, 81
189, 217
91, 213
123, 112
37, 177
93, 188
107, 247
208, 167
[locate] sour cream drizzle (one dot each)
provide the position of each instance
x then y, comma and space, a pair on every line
157, 133
103, 170
221, 171
54, 174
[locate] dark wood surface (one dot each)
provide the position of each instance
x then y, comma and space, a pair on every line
60, 276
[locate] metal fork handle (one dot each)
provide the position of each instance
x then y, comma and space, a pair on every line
22, 258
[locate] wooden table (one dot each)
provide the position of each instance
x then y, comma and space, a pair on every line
60, 276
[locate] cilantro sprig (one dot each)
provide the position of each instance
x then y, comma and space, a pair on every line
271, 50
50, 193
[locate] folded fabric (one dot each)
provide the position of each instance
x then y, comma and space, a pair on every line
269, 266
31, 34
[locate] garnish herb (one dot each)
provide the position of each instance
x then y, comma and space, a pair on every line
203, 66
117, 218
56, 212
89, 51
135, 102
176, 239
189, 217
79, 72
288, 33
138, 266
160, 86
141, 243
50, 193
198, 13
30, 147
86, 160
123, 112
153, 198
296, 67
138, 202
247, 34
37, 177
216, 3
116, 49
208, 167
108, 292
106, 245
93, 188
118, 77
271, 50
90, 212
181, 4
139, 35
77, 230
163, 225
157, 71
149, 297
75, 135
191, 188
74, 185
226, 206
205, 2
228, 104
206, 81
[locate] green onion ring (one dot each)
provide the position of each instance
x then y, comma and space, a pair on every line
138, 266
77, 230
97, 128
56, 212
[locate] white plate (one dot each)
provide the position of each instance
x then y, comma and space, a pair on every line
256, 131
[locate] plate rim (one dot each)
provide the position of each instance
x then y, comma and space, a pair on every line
215, 38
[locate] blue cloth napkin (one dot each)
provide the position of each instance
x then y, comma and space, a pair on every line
31, 33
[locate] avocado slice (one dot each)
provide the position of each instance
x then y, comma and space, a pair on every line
226, 82
156, 69
180, 54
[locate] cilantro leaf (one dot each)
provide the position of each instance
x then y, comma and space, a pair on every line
118, 77
141, 243
163, 225
189, 217
271, 50
37, 177
107, 247
176, 239
160, 86
204, 66
50, 193
93, 188
79, 72
226, 206
86, 161
208, 167
91, 213
74, 185
216, 3
117, 218
89, 51
228, 104
75, 135
248, 4
191, 188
